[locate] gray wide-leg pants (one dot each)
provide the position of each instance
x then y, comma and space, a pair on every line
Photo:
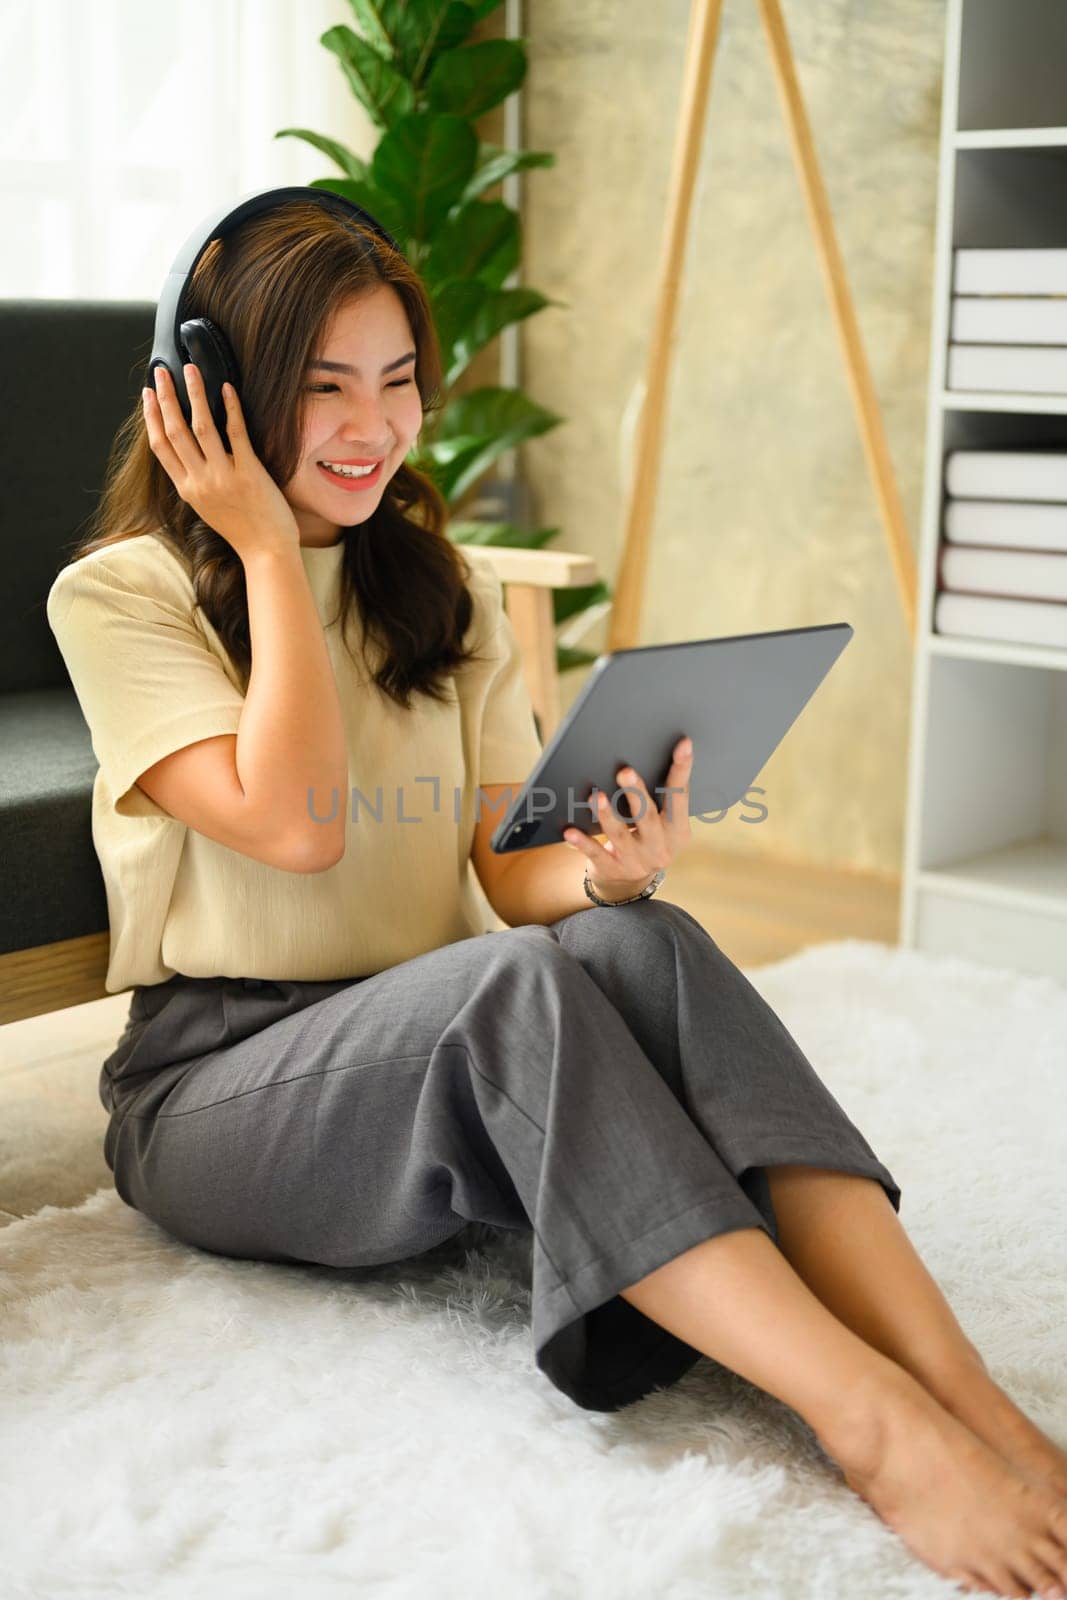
611, 1082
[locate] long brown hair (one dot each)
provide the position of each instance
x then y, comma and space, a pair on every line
272, 286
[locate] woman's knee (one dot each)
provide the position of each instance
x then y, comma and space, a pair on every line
625, 945
646, 927
533, 947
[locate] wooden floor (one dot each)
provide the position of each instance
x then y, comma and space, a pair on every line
52, 1123
762, 911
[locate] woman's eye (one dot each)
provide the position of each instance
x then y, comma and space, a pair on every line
324, 388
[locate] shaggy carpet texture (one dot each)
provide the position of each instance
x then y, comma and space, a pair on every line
178, 1424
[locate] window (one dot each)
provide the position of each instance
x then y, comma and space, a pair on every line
125, 123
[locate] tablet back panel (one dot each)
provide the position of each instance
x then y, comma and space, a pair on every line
737, 698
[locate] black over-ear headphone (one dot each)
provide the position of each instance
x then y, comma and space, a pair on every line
200, 340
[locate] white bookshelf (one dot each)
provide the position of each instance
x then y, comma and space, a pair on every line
985, 853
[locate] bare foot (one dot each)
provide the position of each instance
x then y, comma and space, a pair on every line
981, 1405
956, 1503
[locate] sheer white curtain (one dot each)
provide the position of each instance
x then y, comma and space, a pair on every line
124, 122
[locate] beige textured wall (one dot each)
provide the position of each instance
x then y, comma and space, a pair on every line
766, 517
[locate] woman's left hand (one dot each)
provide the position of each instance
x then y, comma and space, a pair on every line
634, 851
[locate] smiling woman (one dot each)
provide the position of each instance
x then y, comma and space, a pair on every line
357, 432
326, 1058
335, 340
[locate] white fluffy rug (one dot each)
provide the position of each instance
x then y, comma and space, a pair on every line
176, 1424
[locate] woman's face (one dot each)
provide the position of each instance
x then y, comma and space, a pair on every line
369, 411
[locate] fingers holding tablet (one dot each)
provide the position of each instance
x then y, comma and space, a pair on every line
634, 850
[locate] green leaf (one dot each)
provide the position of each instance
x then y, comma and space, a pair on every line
443, 460
496, 164
455, 304
411, 33
381, 207
465, 474
425, 162
368, 13
467, 82
506, 534
567, 657
481, 240
503, 418
444, 451
349, 163
482, 8
498, 310
569, 603
489, 410
384, 92
447, 30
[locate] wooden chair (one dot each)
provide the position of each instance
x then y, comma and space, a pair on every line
529, 576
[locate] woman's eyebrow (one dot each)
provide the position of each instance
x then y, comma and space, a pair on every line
341, 366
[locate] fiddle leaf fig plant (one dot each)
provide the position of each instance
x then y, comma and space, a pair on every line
423, 84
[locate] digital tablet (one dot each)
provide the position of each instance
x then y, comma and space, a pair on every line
736, 698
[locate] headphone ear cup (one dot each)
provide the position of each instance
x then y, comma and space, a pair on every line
208, 348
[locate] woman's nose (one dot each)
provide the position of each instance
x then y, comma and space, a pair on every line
366, 425
364, 418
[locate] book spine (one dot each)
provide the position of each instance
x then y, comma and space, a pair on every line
1004, 319
1011, 621
1026, 369
1006, 525
1010, 272
1006, 574
1007, 474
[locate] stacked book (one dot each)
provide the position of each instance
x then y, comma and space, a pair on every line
1008, 331
1002, 565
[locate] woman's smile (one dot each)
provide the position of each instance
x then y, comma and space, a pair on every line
347, 482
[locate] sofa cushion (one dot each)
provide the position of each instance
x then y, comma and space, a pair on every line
70, 372
53, 886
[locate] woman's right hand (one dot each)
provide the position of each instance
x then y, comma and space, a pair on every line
234, 494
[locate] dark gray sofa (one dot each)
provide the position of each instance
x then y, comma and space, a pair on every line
69, 371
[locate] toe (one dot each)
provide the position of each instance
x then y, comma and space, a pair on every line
1004, 1581
1052, 1555
1035, 1574
1057, 1524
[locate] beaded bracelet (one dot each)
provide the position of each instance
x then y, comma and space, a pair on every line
649, 889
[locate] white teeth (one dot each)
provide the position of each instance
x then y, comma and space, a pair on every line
349, 472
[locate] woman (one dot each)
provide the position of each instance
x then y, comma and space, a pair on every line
328, 1059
